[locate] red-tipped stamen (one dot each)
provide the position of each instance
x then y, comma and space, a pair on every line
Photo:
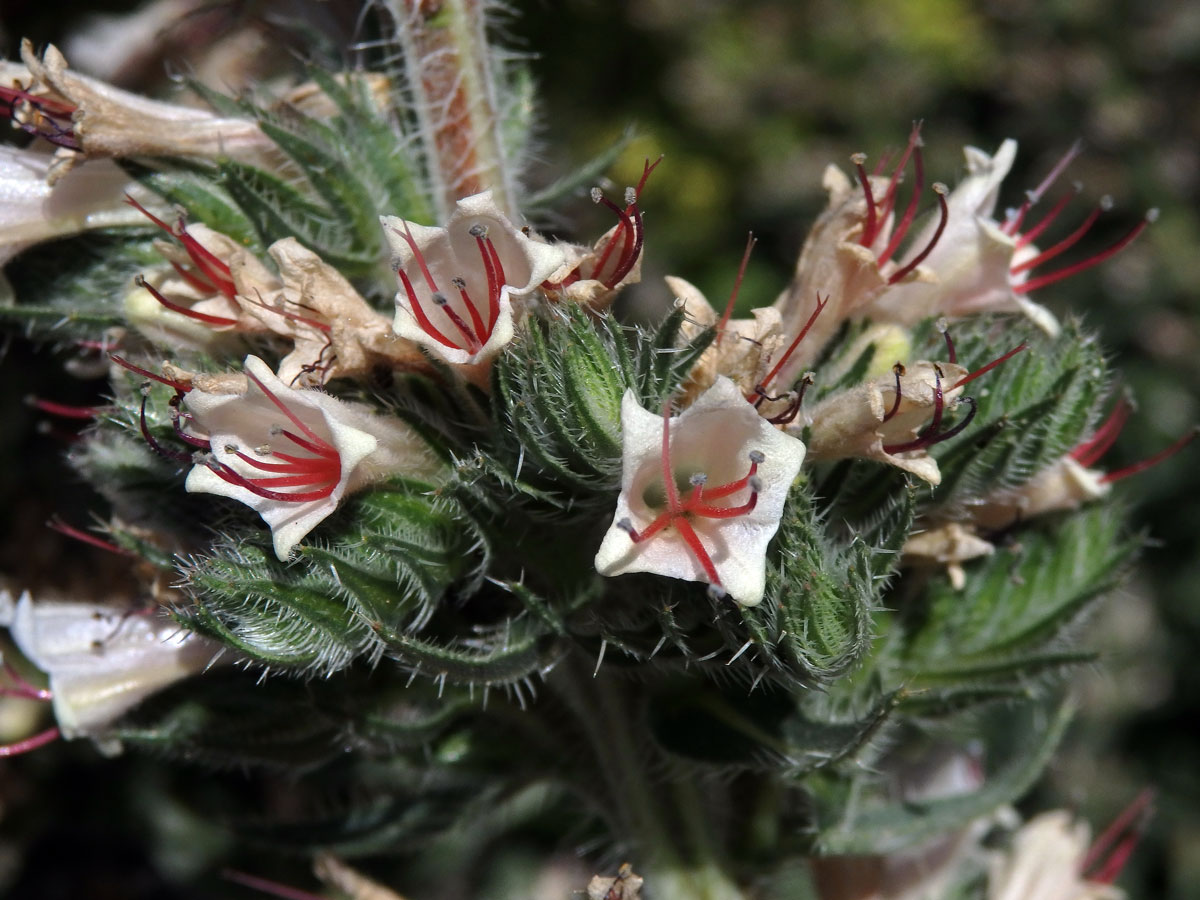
266, 886
487, 252
1090, 451
1127, 819
897, 370
758, 394
951, 351
922, 440
30, 743
870, 227
84, 537
910, 211
1103, 255
737, 286
442, 302
1035, 232
1149, 462
418, 255
889, 197
623, 231
1065, 244
21, 687
165, 452
146, 373
418, 312
1017, 216
210, 265
323, 490
325, 446
795, 404
628, 259
983, 370
63, 410
944, 211
476, 320
206, 318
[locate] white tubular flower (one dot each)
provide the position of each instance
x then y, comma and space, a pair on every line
292, 455
884, 418
972, 261
458, 282
1046, 862
101, 660
92, 196
702, 493
87, 118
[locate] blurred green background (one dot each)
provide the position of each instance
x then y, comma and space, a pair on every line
749, 101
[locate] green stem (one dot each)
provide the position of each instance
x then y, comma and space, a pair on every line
665, 820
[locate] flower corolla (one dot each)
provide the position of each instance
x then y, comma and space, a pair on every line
459, 282
292, 455
702, 493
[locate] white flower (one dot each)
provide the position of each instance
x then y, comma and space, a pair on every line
1046, 863
972, 260
91, 196
89, 119
101, 660
291, 455
875, 422
458, 282
702, 493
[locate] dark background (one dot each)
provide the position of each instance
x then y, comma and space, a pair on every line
749, 101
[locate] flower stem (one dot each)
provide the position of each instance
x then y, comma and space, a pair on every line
451, 77
662, 818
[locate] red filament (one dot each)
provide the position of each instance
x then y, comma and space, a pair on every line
737, 285
697, 502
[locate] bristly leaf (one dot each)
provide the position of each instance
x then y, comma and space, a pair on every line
1007, 626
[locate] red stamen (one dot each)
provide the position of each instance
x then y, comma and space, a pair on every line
1125, 820
325, 446
737, 285
476, 320
940, 190
442, 303
252, 485
1038, 283
1121, 474
951, 352
165, 452
889, 198
203, 285
70, 531
146, 373
206, 318
30, 743
623, 231
897, 370
910, 211
213, 268
283, 891
1090, 451
698, 550
1017, 216
414, 306
420, 257
1066, 243
1033, 233
724, 490
21, 687
486, 250
797, 402
293, 463
758, 396
47, 105
647, 168
629, 257
199, 443
983, 370
871, 225
501, 278
63, 410
923, 439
